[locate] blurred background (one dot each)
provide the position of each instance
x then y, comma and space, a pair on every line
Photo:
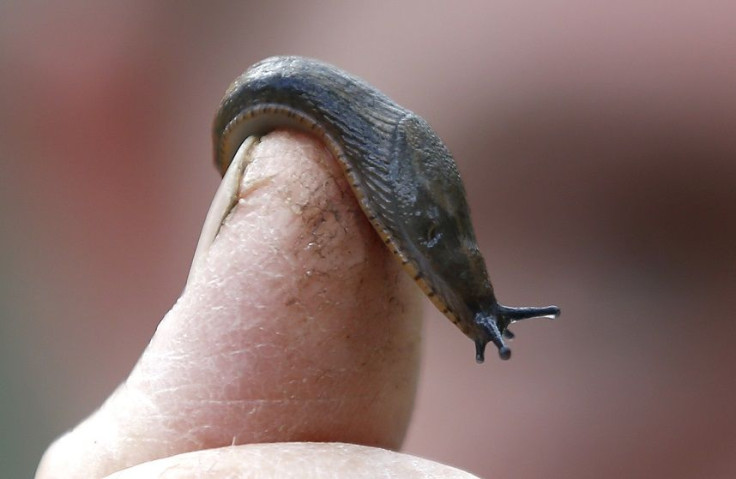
597, 142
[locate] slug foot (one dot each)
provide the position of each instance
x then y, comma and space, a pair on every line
496, 327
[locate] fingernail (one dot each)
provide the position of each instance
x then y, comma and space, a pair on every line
224, 201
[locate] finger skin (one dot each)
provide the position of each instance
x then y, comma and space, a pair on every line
300, 326
293, 460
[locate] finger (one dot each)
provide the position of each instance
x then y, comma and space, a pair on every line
293, 460
299, 325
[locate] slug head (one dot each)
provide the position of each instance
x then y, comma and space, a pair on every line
434, 223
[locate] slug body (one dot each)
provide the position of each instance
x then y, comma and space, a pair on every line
403, 176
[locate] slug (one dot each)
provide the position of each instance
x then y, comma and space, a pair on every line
401, 173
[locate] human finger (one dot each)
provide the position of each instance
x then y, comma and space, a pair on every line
299, 325
293, 460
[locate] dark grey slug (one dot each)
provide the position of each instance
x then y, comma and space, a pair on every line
404, 177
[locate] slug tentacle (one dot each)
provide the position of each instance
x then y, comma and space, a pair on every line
404, 177
517, 314
496, 326
493, 334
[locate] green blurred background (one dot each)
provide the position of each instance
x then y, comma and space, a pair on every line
597, 142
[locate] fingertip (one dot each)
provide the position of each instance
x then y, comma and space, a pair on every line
297, 311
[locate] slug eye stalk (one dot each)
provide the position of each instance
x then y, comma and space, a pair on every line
496, 327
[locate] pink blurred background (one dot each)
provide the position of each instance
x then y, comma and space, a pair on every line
598, 146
